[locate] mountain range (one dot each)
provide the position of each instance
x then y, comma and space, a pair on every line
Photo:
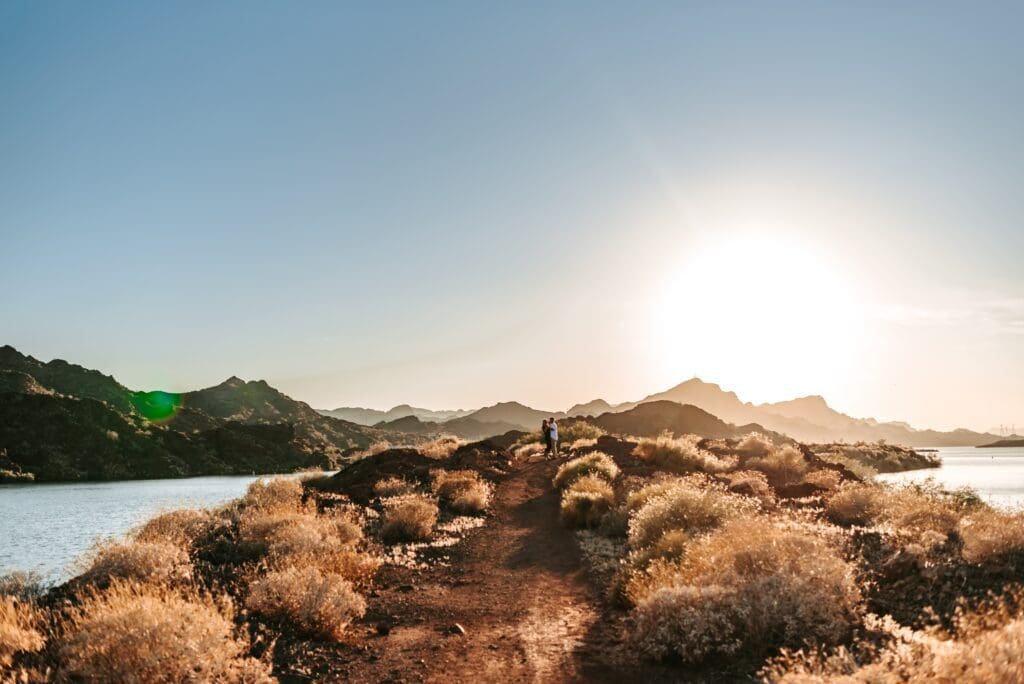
807, 419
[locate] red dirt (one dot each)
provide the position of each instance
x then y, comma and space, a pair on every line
517, 587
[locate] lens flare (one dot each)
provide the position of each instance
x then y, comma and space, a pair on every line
157, 406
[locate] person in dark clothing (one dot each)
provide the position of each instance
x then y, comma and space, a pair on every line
545, 431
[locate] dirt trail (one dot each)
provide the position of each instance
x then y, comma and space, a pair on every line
518, 589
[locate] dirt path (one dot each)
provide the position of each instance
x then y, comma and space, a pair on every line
518, 589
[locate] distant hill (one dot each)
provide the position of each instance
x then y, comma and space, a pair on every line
591, 408
1014, 442
60, 421
515, 414
652, 418
365, 416
466, 427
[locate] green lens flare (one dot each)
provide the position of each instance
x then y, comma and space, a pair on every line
157, 406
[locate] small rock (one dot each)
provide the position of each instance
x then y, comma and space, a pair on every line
383, 628
493, 647
407, 587
457, 629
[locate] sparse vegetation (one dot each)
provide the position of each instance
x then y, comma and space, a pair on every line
680, 455
151, 633
155, 562
571, 431
749, 587
409, 518
462, 491
595, 463
317, 602
18, 628
990, 535
586, 501
867, 459
180, 527
393, 486
782, 466
440, 448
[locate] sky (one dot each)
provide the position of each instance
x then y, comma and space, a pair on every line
454, 204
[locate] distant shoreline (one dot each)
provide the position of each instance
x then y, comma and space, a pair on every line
1002, 443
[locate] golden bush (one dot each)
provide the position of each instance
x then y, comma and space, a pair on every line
157, 562
855, 504
275, 494
440, 448
181, 527
782, 465
989, 534
748, 588
18, 628
409, 518
755, 445
393, 486
694, 506
150, 633
595, 463
317, 602
586, 501
680, 455
463, 491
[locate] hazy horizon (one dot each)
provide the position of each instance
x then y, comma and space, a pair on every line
457, 205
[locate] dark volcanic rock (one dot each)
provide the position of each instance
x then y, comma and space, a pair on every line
357, 479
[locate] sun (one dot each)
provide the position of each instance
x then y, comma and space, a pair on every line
767, 315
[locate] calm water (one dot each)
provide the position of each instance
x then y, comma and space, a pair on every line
44, 527
997, 474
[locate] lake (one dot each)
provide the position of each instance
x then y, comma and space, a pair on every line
997, 474
45, 527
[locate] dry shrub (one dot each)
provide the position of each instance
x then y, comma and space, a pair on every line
393, 486
276, 494
680, 454
181, 527
282, 533
527, 450
989, 534
638, 498
693, 505
984, 646
149, 633
825, 478
318, 603
18, 621
855, 504
755, 445
748, 588
463, 491
782, 466
595, 463
409, 518
750, 483
582, 443
442, 447
358, 567
576, 430
23, 586
155, 562
586, 501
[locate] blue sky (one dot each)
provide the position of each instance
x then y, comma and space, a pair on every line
454, 204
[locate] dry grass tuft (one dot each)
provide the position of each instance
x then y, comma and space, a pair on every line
826, 479
23, 586
984, 646
152, 562
462, 491
855, 504
181, 527
594, 463
693, 505
18, 621
276, 494
319, 603
409, 518
747, 588
988, 535
393, 486
586, 501
570, 431
680, 455
150, 633
782, 466
750, 483
441, 448
755, 445
281, 533
527, 450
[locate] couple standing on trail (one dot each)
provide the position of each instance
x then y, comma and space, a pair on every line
549, 429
